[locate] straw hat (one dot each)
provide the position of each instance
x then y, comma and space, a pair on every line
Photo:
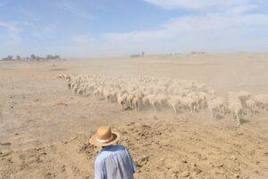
104, 137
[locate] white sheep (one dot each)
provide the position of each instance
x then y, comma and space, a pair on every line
189, 103
217, 107
243, 96
122, 100
153, 100
142, 91
236, 108
174, 102
251, 106
137, 100
261, 101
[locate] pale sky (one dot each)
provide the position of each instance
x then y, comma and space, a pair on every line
85, 28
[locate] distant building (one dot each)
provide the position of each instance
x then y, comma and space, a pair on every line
138, 55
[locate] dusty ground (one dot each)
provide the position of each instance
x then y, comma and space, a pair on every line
44, 127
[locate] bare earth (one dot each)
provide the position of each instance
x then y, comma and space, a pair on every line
44, 127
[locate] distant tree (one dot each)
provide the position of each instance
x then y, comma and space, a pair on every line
52, 57
57, 57
9, 57
33, 57
48, 57
18, 57
37, 58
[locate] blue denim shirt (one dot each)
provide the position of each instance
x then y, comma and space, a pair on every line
114, 162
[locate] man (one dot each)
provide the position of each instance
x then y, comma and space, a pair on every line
114, 161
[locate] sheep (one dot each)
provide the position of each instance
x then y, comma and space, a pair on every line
81, 90
72, 84
98, 92
75, 87
202, 100
189, 103
129, 100
160, 100
60, 76
145, 102
137, 100
89, 89
112, 97
173, 102
261, 101
236, 108
68, 78
137, 93
243, 96
217, 107
122, 100
106, 94
251, 105
151, 100
69, 85
198, 100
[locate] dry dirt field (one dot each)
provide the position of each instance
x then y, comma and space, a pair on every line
45, 127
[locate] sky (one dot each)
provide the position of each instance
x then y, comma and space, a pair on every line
86, 28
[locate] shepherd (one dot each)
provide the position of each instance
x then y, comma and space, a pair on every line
113, 161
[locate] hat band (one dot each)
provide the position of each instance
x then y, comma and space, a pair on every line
105, 140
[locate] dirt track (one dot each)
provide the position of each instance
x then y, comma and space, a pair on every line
44, 127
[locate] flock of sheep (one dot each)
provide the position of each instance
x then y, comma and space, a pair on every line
142, 92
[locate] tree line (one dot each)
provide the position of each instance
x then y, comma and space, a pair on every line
32, 57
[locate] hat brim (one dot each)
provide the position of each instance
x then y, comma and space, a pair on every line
93, 140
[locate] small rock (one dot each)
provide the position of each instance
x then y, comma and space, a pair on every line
61, 104
5, 154
197, 171
240, 133
184, 161
5, 143
237, 176
233, 157
194, 165
141, 161
63, 169
203, 158
185, 174
218, 172
219, 165
50, 175
252, 152
236, 169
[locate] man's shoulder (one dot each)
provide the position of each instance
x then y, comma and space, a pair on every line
109, 151
114, 148
119, 147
